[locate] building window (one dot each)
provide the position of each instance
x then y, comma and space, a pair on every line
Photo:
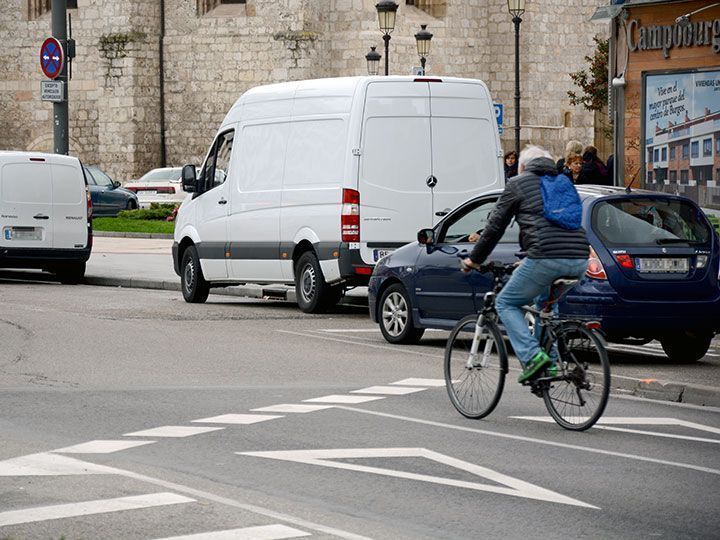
685, 151
203, 6
684, 176
672, 153
37, 8
707, 147
717, 175
673, 177
436, 8
695, 149
656, 155
717, 147
664, 154
649, 177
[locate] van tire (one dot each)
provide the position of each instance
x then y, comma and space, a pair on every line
313, 294
194, 287
70, 273
395, 316
686, 347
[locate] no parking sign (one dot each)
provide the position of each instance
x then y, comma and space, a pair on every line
51, 58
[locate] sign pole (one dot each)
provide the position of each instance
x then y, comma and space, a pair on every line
60, 109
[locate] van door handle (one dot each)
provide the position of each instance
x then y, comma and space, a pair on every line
222, 201
41, 216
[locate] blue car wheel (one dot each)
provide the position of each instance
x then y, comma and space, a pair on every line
395, 316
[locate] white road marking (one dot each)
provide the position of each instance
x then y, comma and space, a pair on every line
342, 399
534, 440
238, 419
420, 382
262, 532
100, 447
172, 431
46, 464
86, 508
641, 421
293, 408
401, 350
365, 330
511, 486
389, 390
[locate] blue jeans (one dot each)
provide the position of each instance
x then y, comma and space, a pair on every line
532, 279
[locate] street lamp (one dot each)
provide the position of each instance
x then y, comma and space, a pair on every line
373, 61
422, 38
516, 9
386, 18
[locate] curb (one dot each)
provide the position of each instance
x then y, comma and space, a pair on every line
112, 234
666, 391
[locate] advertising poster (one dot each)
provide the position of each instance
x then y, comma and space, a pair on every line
682, 129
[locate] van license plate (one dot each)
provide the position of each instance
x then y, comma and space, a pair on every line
380, 253
149, 192
663, 266
22, 233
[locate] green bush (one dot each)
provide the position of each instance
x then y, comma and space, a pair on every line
715, 221
156, 211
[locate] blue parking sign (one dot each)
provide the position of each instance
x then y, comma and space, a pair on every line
498, 113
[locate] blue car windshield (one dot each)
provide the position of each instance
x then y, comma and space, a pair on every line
649, 221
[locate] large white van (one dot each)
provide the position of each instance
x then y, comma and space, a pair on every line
312, 182
45, 214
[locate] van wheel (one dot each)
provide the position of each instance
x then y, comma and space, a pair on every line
70, 273
396, 322
686, 347
313, 294
194, 287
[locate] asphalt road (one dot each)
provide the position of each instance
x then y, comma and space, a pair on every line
130, 414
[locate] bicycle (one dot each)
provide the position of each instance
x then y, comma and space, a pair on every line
476, 360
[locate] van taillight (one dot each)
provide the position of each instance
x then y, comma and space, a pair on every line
427, 79
595, 268
350, 217
89, 203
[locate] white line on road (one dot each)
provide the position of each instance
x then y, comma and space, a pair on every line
389, 390
420, 382
46, 464
293, 408
262, 532
172, 431
365, 330
533, 440
238, 419
342, 399
100, 447
86, 508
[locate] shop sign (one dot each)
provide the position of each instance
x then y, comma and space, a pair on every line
667, 37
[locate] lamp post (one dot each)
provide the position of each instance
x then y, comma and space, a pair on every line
386, 18
516, 9
422, 38
373, 61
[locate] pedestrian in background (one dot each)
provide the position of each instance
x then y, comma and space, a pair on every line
572, 147
594, 170
573, 168
511, 164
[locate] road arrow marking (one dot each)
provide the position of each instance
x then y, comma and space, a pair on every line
510, 486
605, 422
262, 532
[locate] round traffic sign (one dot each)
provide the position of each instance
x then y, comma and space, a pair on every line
51, 58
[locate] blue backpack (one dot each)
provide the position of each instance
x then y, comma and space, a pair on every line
561, 202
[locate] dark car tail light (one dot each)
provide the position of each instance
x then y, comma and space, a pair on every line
350, 217
595, 269
625, 260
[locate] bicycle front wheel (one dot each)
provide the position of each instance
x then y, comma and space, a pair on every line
576, 398
475, 382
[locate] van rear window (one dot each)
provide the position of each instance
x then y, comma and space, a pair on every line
649, 221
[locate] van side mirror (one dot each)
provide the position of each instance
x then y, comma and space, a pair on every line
426, 236
189, 180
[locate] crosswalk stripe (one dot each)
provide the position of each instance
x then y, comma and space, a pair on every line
238, 419
86, 508
172, 431
343, 399
293, 408
389, 390
262, 532
100, 447
420, 382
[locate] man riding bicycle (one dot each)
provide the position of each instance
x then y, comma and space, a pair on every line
552, 252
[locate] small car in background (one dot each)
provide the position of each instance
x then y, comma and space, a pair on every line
653, 272
163, 185
108, 198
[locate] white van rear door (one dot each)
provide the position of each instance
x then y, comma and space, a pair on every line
26, 204
395, 163
69, 209
465, 159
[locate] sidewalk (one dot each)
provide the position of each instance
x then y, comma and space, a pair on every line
146, 263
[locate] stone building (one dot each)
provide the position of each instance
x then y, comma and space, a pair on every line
210, 51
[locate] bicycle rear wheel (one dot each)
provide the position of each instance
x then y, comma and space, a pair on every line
577, 398
475, 384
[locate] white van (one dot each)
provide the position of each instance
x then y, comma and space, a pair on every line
45, 214
312, 182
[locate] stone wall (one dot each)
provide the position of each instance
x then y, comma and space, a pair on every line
212, 58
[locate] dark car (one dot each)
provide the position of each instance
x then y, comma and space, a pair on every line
108, 198
653, 272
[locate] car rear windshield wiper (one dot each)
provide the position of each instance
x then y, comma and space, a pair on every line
677, 241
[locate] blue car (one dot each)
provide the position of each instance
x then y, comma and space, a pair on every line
108, 198
653, 272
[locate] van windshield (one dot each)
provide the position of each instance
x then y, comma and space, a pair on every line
649, 221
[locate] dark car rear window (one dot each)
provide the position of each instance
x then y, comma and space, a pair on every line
649, 221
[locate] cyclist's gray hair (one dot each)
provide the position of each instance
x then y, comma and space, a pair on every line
529, 153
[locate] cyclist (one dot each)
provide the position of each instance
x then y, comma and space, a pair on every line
552, 252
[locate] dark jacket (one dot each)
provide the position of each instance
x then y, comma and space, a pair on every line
523, 201
510, 171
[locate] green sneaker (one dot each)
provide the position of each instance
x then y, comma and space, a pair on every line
537, 363
551, 370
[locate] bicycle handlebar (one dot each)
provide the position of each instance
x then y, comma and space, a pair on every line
497, 268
